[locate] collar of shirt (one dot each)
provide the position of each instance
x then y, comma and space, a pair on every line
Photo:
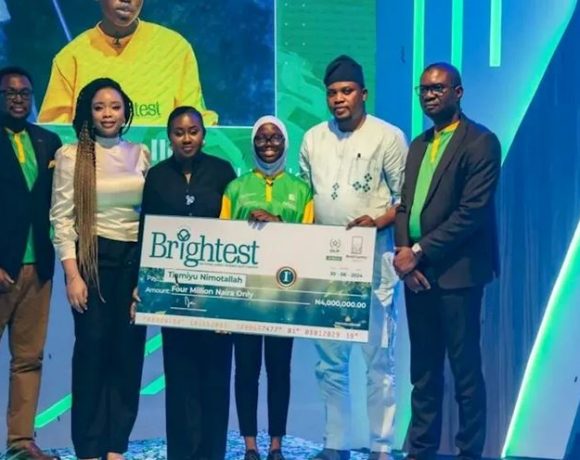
448, 129
269, 179
440, 141
15, 125
117, 43
11, 131
333, 124
14, 133
107, 142
18, 140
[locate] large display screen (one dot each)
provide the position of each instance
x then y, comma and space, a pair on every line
254, 57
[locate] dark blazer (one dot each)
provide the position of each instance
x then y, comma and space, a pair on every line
20, 207
458, 220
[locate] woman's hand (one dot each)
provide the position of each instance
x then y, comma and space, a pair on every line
133, 308
77, 293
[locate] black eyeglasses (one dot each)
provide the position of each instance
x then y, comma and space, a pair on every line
274, 139
13, 94
437, 89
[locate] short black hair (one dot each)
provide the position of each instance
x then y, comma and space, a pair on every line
83, 111
15, 70
181, 110
449, 68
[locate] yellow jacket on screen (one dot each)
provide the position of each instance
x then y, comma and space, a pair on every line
155, 66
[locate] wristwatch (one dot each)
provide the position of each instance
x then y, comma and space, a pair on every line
417, 250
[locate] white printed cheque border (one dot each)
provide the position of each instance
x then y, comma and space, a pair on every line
251, 327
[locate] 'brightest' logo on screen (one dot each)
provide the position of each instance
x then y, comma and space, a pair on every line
192, 253
152, 110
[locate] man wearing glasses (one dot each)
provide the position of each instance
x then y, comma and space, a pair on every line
26, 253
446, 252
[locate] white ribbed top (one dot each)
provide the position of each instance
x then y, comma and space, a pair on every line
121, 167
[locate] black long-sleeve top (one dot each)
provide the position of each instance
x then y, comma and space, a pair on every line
167, 191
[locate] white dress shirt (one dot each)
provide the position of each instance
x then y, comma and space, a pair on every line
353, 173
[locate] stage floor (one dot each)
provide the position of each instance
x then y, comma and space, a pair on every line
295, 448
154, 449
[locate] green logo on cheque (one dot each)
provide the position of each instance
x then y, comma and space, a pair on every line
192, 253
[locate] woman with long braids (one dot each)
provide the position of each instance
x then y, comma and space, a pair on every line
97, 191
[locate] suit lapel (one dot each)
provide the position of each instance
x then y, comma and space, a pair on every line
415, 161
39, 152
446, 158
38, 146
10, 160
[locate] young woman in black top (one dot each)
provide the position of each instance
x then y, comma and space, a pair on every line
197, 363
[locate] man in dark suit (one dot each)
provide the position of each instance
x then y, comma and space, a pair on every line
446, 252
26, 252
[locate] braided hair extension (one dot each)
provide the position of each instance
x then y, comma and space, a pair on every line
84, 182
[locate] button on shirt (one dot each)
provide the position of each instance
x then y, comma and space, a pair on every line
353, 173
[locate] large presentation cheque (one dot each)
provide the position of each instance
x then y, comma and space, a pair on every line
278, 279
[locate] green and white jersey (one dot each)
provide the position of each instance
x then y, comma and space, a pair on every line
283, 195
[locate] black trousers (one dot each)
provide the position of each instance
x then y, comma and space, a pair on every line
278, 353
197, 394
107, 358
443, 321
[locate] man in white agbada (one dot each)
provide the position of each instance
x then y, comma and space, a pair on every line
355, 163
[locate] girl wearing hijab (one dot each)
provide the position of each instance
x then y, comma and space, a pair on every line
265, 194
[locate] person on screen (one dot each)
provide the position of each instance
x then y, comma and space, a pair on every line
155, 65
26, 254
266, 194
447, 251
197, 363
355, 164
97, 188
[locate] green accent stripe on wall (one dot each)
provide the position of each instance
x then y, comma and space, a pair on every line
418, 63
495, 33
457, 34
